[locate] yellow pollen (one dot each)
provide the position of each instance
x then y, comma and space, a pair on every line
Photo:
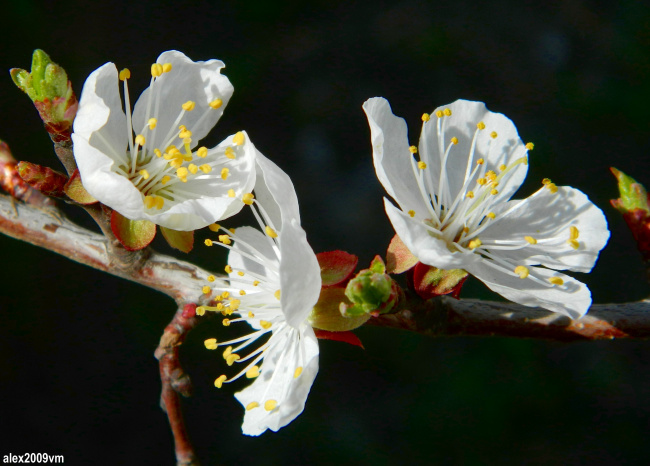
200, 310
574, 243
224, 173
277, 295
491, 215
167, 67
214, 227
253, 372
157, 152
546, 181
556, 281
152, 123
480, 162
149, 202
230, 360
185, 134
454, 140
574, 233
265, 324
493, 134
470, 194
231, 193
211, 278
216, 103
530, 239
156, 70
480, 125
491, 175
219, 382
411, 213
144, 174
229, 153
192, 168
270, 405
475, 243
208, 242
211, 343
227, 352
494, 192
139, 140
439, 114
225, 239
182, 127
250, 314
465, 230
165, 179
422, 165
225, 323
182, 173
426, 117
125, 74
188, 106
252, 405
256, 282
481, 181
552, 187
242, 292
202, 152
234, 304
530, 146
160, 202
297, 372
205, 168
271, 232
447, 112
206, 289
240, 273
502, 167
246, 198
238, 139
413, 150
228, 269
522, 271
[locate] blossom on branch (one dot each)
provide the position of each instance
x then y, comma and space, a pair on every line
146, 165
274, 282
455, 210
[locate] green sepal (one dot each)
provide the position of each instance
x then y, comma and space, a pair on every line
75, 190
181, 240
633, 194
132, 234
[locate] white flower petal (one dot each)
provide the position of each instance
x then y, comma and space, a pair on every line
252, 242
200, 82
275, 191
571, 299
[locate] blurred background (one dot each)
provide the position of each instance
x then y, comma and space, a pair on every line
77, 373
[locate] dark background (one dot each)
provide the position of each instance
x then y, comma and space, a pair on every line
77, 373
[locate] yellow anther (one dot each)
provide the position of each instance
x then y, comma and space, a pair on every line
552, 187
277, 294
480, 162
447, 112
157, 152
182, 173
439, 114
494, 192
205, 168
242, 292
230, 360
125, 74
573, 233
481, 181
246, 198
454, 140
265, 324
465, 230
480, 125
556, 281
208, 242
491, 175
167, 67
144, 174
182, 127
270, 405
411, 213
216, 103
185, 134
256, 282
475, 243
574, 243
206, 289
156, 70
165, 179
220, 380
229, 153
491, 215
271, 232
240, 273
211, 278
149, 202
253, 372
530, 146
493, 134
152, 123
530, 239
426, 117
470, 194
140, 140
225, 239
422, 165
546, 181
160, 202
200, 310
224, 173
234, 304
192, 168
231, 193
214, 227
522, 271
238, 139
502, 167
211, 343
250, 314
413, 150
188, 106
202, 152
252, 405
228, 269
297, 372
225, 323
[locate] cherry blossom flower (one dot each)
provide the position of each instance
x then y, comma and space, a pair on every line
274, 282
146, 165
455, 210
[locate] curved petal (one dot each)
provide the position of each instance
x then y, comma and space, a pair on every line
277, 381
571, 299
391, 156
253, 242
275, 192
428, 249
548, 217
300, 279
504, 149
200, 82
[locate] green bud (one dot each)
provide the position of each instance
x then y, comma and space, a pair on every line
326, 314
633, 194
372, 290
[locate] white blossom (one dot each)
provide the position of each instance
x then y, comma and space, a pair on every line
455, 210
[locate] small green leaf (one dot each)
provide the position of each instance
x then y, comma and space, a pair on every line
633, 194
181, 240
326, 314
133, 234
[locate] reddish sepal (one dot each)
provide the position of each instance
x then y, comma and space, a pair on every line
398, 257
638, 221
420, 279
189, 310
132, 234
336, 267
345, 337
